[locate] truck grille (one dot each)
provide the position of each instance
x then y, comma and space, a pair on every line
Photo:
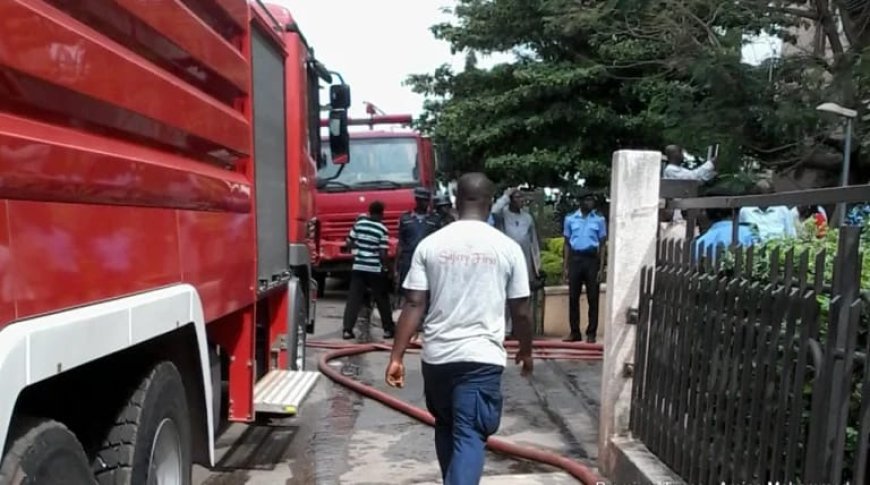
337, 227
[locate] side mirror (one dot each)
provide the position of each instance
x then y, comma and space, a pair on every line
339, 139
339, 96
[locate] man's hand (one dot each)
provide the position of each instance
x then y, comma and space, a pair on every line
395, 374
527, 362
565, 275
412, 314
522, 319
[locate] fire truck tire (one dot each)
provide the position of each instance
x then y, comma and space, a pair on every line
43, 451
150, 442
298, 333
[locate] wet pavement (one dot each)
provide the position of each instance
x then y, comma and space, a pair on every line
342, 438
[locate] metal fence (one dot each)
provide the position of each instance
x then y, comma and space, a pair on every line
748, 377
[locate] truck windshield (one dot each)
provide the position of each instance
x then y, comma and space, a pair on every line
374, 163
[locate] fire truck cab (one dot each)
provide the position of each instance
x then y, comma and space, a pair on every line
387, 166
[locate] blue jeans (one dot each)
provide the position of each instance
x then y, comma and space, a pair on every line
465, 399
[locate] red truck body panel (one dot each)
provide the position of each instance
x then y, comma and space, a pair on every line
108, 187
84, 246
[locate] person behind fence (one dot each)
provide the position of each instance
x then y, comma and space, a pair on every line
368, 241
720, 233
584, 231
511, 218
813, 221
770, 222
466, 271
858, 214
674, 158
674, 169
670, 227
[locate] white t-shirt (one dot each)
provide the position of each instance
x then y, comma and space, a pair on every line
469, 268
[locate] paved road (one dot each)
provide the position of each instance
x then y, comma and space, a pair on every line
341, 438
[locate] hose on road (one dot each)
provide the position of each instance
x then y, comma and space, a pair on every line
546, 351
542, 349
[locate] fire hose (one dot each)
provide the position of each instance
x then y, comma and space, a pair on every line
542, 349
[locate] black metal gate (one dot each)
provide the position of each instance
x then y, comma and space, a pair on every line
749, 376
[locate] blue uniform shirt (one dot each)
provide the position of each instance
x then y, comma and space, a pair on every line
412, 229
584, 233
720, 233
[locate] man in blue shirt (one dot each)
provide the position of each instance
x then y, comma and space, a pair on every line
584, 231
720, 233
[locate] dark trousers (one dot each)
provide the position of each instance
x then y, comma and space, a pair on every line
465, 399
403, 267
377, 285
583, 270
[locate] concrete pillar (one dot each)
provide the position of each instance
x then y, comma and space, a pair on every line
634, 196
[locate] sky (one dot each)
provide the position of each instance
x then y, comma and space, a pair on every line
760, 48
376, 44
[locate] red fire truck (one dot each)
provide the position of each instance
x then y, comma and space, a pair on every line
388, 165
157, 163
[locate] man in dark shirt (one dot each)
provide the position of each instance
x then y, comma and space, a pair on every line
584, 231
443, 210
413, 227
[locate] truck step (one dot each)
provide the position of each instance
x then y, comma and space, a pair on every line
282, 391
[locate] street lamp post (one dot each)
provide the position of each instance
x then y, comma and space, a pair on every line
849, 115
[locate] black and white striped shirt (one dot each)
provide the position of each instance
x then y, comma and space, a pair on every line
368, 238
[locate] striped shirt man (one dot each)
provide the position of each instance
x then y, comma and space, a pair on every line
368, 238
368, 241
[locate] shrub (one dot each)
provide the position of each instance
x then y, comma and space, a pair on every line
555, 245
552, 261
807, 242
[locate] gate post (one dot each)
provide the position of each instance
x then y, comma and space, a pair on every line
632, 233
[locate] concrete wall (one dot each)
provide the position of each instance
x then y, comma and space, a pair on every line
634, 463
633, 227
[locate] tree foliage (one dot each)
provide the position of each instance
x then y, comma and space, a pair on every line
591, 76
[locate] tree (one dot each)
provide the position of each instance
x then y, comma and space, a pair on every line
593, 76
535, 119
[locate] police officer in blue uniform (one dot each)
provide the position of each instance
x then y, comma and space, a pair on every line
585, 231
413, 227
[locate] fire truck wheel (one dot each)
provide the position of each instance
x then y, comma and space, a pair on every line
43, 451
297, 331
150, 441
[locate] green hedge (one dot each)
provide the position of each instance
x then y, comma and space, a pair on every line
808, 242
552, 261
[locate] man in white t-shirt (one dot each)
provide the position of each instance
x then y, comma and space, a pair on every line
466, 271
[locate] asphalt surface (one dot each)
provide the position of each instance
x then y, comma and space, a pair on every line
342, 438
